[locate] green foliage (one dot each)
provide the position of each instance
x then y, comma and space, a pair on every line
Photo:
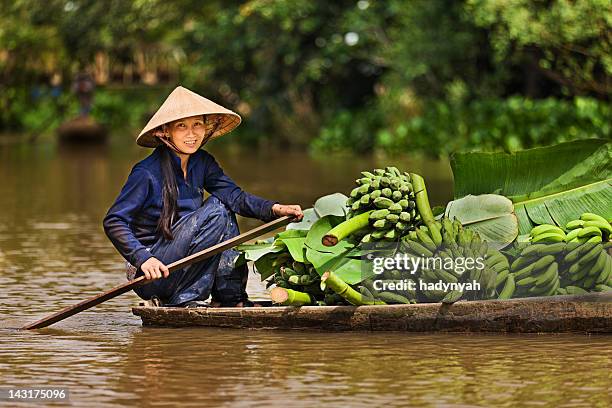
348, 130
40, 111
512, 124
569, 42
400, 75
129, 108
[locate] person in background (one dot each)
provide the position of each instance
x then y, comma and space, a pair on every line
83, 87
160, 215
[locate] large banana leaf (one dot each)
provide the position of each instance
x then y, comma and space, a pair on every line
331, 204
552, 184
491, 215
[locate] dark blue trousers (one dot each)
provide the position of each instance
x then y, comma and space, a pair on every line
217, 276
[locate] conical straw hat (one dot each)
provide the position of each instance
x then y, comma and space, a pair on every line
183, 103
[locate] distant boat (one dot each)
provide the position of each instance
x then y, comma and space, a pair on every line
83, 129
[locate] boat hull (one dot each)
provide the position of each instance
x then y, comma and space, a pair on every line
591, 313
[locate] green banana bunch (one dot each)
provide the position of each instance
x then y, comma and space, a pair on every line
391, 294
447, 245
558, 263
546, 233
587, 265
588, 228
391, 195
535, 271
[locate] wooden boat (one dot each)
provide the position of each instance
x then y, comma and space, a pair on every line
590, 313
82, 130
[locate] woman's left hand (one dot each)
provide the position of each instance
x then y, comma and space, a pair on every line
291, 210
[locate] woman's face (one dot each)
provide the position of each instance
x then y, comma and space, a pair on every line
187, 134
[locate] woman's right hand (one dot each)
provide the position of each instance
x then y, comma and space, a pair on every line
153, 268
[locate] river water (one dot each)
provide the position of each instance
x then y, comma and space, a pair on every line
53, 252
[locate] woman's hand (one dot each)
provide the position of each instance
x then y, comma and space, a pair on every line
291, 210
154, 269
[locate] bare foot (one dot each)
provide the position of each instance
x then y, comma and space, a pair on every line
241, 304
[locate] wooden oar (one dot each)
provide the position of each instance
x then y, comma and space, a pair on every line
140, 281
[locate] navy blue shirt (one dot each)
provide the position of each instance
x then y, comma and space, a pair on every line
131, 222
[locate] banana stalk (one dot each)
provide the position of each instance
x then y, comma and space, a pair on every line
346, 228
343, 289
290, 297
422, 203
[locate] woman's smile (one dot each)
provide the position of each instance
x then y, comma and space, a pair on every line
188, 133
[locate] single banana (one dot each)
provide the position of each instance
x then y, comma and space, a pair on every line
509, 287
532, 250
543, 262
606, 273
589, 256
589, 232
501, 277
494, 257
574, 254
549, 237
552, 249
528, 281
577, 273
546, 289
599, 264
588, 282
544, 229
418, 249
554, 288
465, 238
499, 267
521, 262
602, 225
446, 276
426, 240
574, 224
434, 231
573, 234
592, 217
595, 239
551, 273
575, 290
522, 273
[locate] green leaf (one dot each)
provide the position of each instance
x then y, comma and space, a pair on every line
264, 266
332, 204
294, 233
491, 215
253, 252
554, 184
351, 271
348, 269
296, 247
322, 227
310, 217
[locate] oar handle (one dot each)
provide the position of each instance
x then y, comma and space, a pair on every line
140, 281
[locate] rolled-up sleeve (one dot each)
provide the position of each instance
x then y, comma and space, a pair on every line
117, 221
217, 183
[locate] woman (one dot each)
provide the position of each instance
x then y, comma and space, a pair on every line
160, 215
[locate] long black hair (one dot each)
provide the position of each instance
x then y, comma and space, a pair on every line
169, 195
